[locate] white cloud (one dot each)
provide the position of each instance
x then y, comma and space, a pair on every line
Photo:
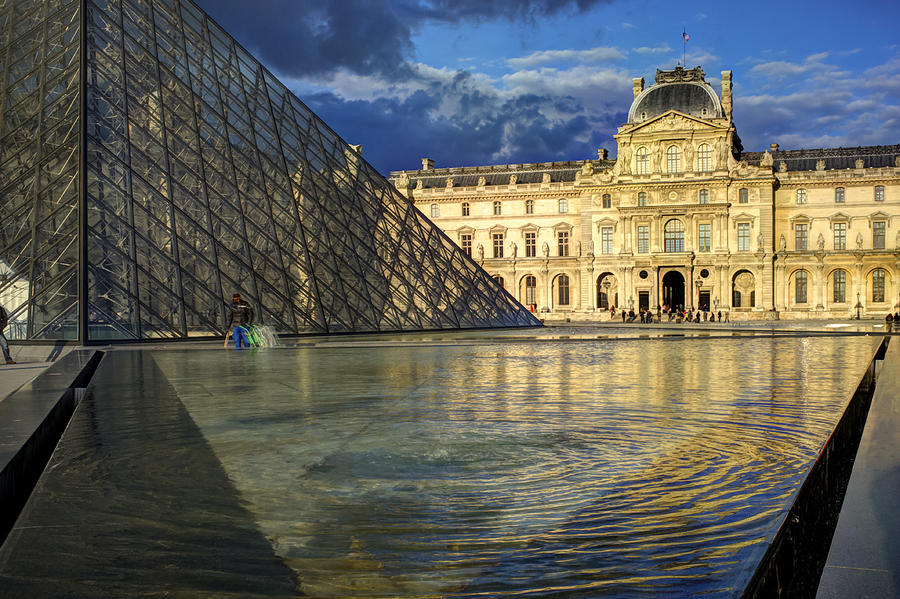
543, 57
628, 25
655, 50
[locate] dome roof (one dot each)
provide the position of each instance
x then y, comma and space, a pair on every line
683, 90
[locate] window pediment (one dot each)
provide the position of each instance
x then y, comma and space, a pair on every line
839, 217
498, 229
801, 218
465, 229
562, 226
879, 216
743, 217
607, 222
530, 228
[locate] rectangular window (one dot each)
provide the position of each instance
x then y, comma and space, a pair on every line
878, 230
801, 196
800, 284
743, 195
606, 240
801, 236
840, 286
563, 206
840, 236
703, 237
465, 240
496, 208
743, 237
877, 285
643, 239
498, 244
879, 193
704, 196
529, 206
530, 245
435, 211
562, 238
642, 199
465, 208
607, 200
839, 195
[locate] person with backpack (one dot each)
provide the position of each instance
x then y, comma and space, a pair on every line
241, 318
4, 344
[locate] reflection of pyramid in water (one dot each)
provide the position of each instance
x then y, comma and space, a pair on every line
203, 176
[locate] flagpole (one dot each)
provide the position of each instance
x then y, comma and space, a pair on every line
683, 48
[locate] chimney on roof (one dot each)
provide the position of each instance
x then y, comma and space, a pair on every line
602, 153
773, 147
637, 86
726, 93
427, 164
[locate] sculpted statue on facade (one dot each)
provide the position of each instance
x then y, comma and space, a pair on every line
578, 248
591, 246
820, 242
587, 169
546, 178
897, 241
655, 153
545, 250
513, 250
480, 252
859, 241
782, 243
760, 241
688, 157
721, 157
420, 184
782, 166
481, 181
513, 179
766, 160
449, 182
820, 165
859, 163
403, 181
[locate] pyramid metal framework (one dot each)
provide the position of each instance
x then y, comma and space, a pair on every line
150, 167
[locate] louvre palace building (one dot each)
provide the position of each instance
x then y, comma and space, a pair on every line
682, 217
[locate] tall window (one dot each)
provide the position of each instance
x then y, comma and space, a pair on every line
878, 230
563, 206
529, 206
498, 244
840, 236
497, 208
435, 211
703, 236
673, 160
704, 196
801, 196
743, 237
499, 280
607, 200
879, 193
563, 288
465, 208
839, 195
530, 245
465, 240
673, 236
562, 242
606, 240
840, 286
643, 238
642, 199
801, 236
878, 285
704, 158
530, 290
642, 162
800, 283
743, 195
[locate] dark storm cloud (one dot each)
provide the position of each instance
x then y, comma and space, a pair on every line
314, 37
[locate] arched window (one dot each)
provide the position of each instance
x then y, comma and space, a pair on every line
529, 206
801, 196
674, 236
673, 160
642, 161
840, 286
465, 208
499, 280
704, 196
563, 206
642, 199
563, 290
801, 282
496, 207
704, 158
435, 211
839, 195
743, 195
878, 285
607, 200
530, 290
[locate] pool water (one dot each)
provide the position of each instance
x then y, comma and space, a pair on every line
468, 468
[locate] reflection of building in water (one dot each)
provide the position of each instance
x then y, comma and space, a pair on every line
683, 216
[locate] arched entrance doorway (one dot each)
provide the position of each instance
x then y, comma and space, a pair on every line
673, 289
607, 291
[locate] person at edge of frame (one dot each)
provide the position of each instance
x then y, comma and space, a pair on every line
241, 317
4, 344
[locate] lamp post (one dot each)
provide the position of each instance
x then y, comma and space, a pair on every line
858, 305
699, 284
630, 302
605, 286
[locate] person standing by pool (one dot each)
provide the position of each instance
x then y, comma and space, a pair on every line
4, 344
241, 317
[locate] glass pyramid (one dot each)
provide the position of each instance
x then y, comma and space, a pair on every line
151, 167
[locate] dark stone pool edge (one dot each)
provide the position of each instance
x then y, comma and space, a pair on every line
795, 558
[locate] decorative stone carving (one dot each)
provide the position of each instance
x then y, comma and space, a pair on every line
782, 166
897, 162
481, 181
545, 250
766, 160
420, 184
721, 155
480, 252
623, 159
578, 248
897, 242
688, 157
513, 179
820, 165
590, 251
859, 241
782, 243
820, 242
859, 163
680, 74
545, 178
449, 182
403, 181
513, 250
655, 154
760, 241
587, 169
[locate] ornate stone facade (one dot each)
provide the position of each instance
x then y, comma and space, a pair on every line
682, 216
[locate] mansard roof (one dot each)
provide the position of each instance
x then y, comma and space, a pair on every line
468, 176
835, 158
684, 90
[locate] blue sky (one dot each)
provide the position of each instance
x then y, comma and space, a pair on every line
469, 82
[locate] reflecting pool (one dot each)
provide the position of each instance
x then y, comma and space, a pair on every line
460, 468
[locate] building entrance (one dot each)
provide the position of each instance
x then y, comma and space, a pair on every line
644, 300
673, 289
704, 301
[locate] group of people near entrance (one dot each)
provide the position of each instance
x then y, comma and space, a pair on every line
893, 321
676, 313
